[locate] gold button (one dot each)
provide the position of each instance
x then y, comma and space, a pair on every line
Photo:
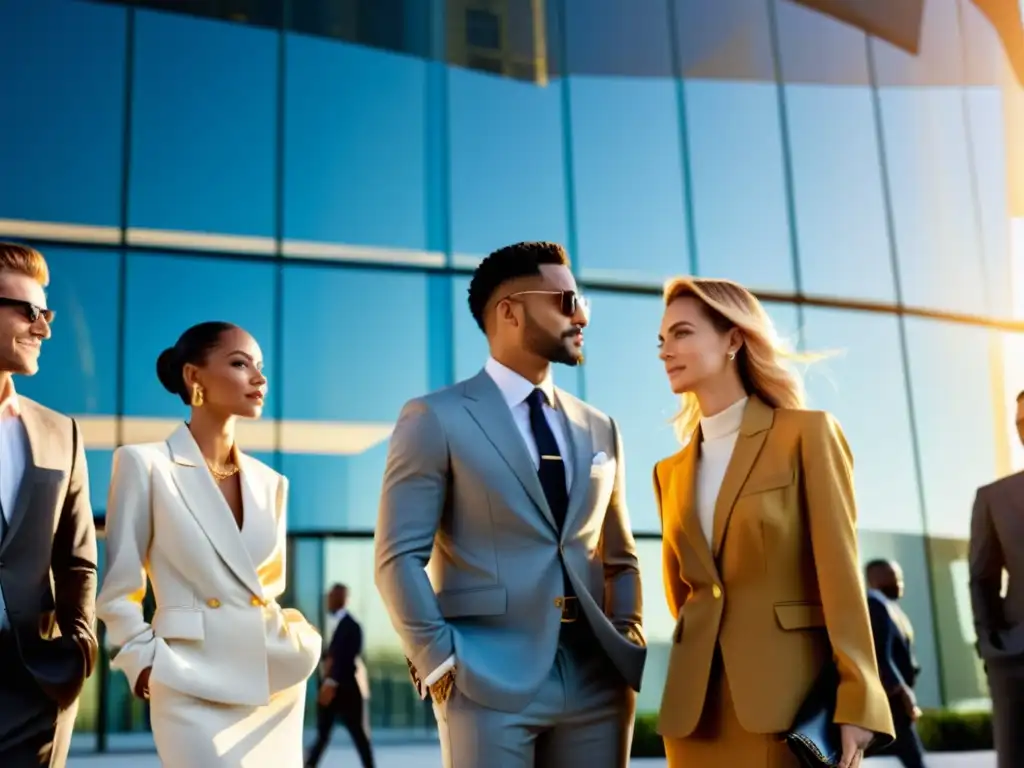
255, 601
716, 591
213, 602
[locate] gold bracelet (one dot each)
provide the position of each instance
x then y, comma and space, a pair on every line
442, 689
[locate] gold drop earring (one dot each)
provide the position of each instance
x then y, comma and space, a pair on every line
197, 396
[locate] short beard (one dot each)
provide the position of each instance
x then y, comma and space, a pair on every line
552, 348
893, 593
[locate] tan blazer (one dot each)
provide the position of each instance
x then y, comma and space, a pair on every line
218, 632
780, 581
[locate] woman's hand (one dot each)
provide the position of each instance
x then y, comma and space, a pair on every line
142, 683
854, 740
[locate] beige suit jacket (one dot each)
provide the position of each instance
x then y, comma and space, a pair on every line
218, 631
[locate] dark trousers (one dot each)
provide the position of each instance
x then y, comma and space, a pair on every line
907, 748
347, 707
1006, 685
33, 732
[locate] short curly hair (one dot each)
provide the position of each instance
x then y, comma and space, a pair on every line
508, 263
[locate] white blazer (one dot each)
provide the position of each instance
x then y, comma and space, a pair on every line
218, 632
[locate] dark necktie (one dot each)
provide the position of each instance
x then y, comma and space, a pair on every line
552, 468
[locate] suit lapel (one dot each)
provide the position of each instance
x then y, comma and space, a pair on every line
39, 436
757, 419
259, 497
682, 497
581, 445
899, 618
490, 411
207, 505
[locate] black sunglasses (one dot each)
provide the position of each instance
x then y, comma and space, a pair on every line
569, 302
31, 311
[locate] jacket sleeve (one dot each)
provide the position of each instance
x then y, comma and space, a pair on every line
412, 499
74, 559
273, 574
986, 562
882, 631
128, 531
832, 517
623, 597
676, 590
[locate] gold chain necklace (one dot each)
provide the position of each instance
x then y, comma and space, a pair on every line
220, 474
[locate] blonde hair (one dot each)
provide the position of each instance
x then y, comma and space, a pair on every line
760, 359
24, 260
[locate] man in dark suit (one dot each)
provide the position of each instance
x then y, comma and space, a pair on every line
47, 539
997, 550
897, 665
341, 696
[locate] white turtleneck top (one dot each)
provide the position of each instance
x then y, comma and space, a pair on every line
718, 438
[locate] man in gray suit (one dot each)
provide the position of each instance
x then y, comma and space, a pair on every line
997, 544
525, 627
47, 539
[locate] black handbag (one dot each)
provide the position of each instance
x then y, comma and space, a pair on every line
814, 736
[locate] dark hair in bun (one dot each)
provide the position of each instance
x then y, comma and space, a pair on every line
192, 347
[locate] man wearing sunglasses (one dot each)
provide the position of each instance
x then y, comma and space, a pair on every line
526, 634
47, 538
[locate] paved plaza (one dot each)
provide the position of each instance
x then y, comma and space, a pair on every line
429, 756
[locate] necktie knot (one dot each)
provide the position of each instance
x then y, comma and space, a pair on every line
537, 399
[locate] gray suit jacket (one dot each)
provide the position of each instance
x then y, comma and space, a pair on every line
48, 557
462, 499
997, 543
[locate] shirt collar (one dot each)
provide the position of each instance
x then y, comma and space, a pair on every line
9, 403
514, 388
340, 614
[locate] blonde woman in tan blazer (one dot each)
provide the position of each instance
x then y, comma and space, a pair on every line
759, 545
223, 665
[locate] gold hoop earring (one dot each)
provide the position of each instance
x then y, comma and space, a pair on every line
732, 355
197, 396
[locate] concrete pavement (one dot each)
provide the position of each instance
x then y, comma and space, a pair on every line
429, 756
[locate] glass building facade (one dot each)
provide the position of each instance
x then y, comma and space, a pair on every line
327, 174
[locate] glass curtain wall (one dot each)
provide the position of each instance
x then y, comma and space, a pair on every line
327, 174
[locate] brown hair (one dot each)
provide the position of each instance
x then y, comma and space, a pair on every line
24, 260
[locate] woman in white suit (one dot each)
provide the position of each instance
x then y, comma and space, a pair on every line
223, 665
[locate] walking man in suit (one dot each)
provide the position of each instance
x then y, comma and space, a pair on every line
47, 538
340, 694
997, 545
526, 634
897, 664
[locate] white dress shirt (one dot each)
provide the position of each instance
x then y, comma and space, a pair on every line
515, 389
718, 438
14, 453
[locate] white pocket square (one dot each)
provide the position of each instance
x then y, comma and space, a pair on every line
600, 458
